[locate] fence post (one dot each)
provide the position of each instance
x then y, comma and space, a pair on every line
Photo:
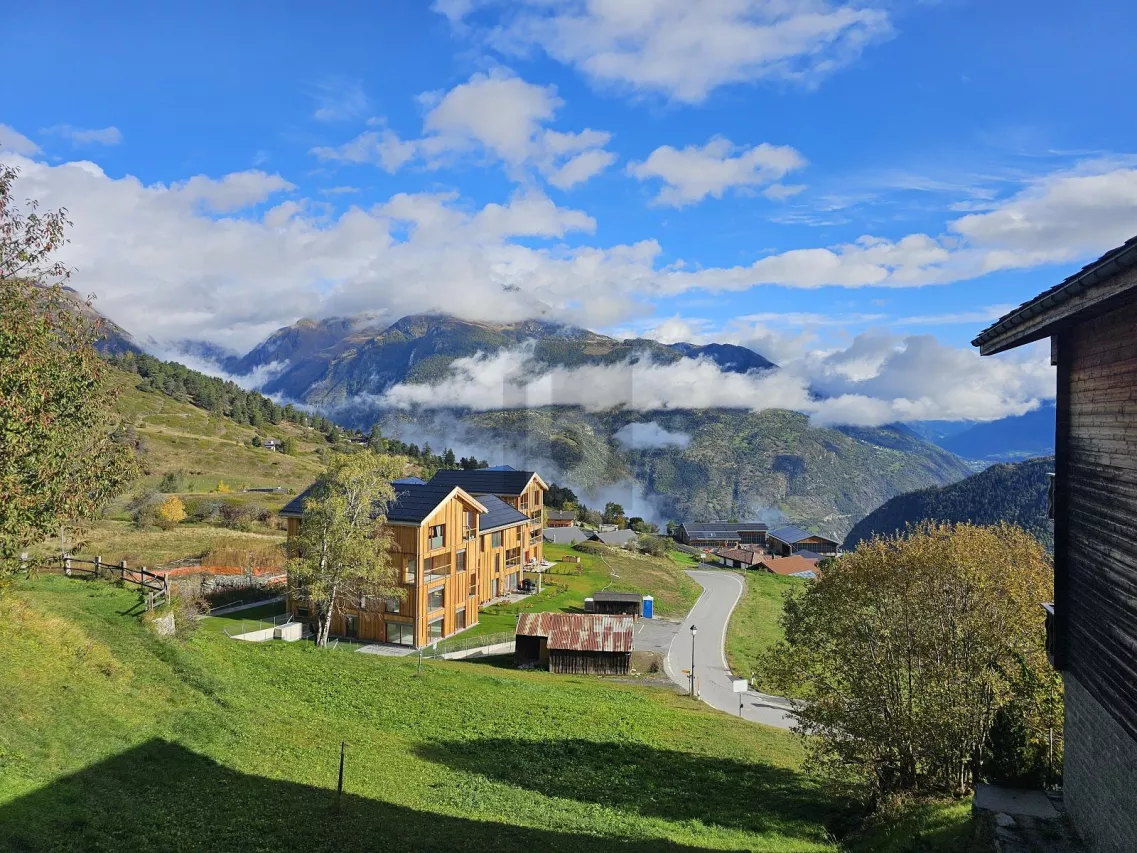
66, 565
98, 566
122, 571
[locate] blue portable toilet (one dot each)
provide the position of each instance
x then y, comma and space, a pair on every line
649, 607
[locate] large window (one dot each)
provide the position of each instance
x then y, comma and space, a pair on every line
469, 526
393, 605
411, 570
512, 557
524, 503
437, 566
495, 542
460, 619
436, 598
400, 634
436, 536
460, 561
351, 626
434, 630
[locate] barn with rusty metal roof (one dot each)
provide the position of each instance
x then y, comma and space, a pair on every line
576, 643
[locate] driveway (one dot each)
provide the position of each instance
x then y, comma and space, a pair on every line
711, 613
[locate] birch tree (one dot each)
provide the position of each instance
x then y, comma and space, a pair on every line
904, 652
343, 548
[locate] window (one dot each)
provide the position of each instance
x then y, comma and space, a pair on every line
437, 566
497, 563
473, 583
460, 561
393, 605
460, 619
400, 634
436, 537
436, 598
469, 526
351, 626
524, 503
496, 541
301, 612
364, 600
434, 630
411, 569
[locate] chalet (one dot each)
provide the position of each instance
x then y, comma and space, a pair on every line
738, 558
615, 603
272, 444
559, 518
1091, 321
576, 643
615, 538
522, 490
794, 566
722, 534
565, 535
434, 530
504, 534
790, 540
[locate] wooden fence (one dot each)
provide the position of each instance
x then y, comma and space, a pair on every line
153, 586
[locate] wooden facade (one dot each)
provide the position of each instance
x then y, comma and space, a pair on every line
448, 567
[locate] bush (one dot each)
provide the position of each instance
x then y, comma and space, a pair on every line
594, 548
173, 481
206, 510
143, 507
170, 512
654, 545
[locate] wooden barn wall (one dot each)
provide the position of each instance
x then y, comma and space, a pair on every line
566, 662
1097, 595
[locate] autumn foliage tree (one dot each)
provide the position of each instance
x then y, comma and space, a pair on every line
170, 512
343, 548
59, 461
907, 651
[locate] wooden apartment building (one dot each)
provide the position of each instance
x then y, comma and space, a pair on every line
454, 551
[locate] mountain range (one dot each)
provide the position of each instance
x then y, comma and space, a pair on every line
1014, 492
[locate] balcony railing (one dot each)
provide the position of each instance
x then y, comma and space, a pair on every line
469, 533
435, 542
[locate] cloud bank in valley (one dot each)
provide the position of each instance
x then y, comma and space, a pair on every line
877, 379
649, 436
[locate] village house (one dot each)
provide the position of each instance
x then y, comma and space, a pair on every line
1091, 321
738, 558
274, 444
722, 534
794, 566
454, 552
576, 643
791, 540
559, 518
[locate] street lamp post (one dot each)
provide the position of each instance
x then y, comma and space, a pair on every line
694, 631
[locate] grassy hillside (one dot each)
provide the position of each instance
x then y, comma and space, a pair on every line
117, 740
1014, 492
754, 625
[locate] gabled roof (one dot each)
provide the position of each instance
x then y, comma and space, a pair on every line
581, 632
564, 535
810, 555
560, 514
793, 535
795, 566
498, 514
413, 502
615, 537
724, 526
741, 555
485, 481
621, 597
1084, 291
714, 535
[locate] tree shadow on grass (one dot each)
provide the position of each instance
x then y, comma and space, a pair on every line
161, 796
752, 796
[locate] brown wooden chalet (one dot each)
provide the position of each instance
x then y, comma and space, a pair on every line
559, 518
1091, 321
454, 553
576, 643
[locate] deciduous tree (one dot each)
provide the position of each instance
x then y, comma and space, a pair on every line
170, 512
904, 652
343, 548
58, 460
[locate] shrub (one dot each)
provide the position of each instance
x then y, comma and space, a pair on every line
169, 512
143, 507
206, 510
589, 548
172, 481
223, 488
654, 545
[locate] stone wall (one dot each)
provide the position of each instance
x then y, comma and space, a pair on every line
1099, 774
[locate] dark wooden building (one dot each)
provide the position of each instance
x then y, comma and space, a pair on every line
1091, 321
722, 534
790, 540
576, 643
615, 603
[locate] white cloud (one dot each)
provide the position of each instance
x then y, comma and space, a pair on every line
340, 99
649, 436
498, 116
197, 260
14, 142
681, 48
87, 136
693, 173
877, 379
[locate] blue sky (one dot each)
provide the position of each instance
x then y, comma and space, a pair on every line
781, 173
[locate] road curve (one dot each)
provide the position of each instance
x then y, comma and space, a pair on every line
711, 614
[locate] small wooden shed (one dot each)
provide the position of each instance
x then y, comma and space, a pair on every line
576, 643
615, 603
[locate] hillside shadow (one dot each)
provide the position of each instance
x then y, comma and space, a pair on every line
160, 796
752, 796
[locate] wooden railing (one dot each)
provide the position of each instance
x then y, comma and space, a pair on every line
154, 586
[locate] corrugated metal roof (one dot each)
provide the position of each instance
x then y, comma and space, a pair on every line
618, 596
580, 632
1108, 265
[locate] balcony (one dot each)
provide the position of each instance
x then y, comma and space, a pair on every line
436, 542
1051, 637
469, 533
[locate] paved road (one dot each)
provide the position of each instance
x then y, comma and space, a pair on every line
711, 613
